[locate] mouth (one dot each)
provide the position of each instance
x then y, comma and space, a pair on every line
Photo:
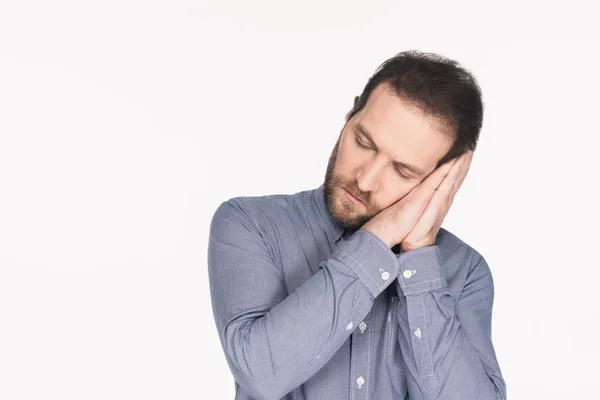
353, 199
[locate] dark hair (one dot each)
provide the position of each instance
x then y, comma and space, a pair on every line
437, 86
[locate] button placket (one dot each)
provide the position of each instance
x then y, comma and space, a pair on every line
360, 381
362, 326
360, 359
423, 356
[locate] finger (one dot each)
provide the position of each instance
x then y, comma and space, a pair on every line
455, 177
433, 180
464, 170
440, 202
436, 210
433, 215
421, 194
464, 167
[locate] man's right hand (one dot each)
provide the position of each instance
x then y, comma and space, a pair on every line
395, 222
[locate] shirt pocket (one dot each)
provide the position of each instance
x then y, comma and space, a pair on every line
393, 354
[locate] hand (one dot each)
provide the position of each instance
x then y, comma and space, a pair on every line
425, 231
415, 219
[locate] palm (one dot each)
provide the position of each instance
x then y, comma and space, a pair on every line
424, 232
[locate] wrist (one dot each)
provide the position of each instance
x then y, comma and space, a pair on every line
381, 236
406, 247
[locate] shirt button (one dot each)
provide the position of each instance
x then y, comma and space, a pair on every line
360, 381
362, 326
407, 274
349, 326
385, 275
418, 333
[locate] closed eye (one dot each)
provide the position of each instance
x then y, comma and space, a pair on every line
363, 146
368, 148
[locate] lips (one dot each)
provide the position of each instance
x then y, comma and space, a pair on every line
354, 198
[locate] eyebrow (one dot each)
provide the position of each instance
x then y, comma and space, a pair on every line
414, 169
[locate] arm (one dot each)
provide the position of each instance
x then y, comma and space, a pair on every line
446, 346
274, 341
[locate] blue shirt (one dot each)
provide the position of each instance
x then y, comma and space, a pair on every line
306, 310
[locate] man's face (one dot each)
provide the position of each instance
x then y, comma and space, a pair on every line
401, 134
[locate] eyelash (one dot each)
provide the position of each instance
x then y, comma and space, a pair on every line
397, 170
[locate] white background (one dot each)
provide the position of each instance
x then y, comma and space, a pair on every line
124, 124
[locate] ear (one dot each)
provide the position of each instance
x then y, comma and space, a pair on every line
354, 106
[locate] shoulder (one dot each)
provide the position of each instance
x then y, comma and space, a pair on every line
259, 211
461, 261
453, 246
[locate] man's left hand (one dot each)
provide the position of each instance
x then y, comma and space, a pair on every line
426, 229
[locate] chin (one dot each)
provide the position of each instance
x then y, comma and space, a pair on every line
349, 219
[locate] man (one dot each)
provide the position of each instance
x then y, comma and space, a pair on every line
353, 290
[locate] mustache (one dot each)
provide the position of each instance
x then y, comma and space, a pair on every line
350, 189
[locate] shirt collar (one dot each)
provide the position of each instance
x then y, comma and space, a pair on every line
325, 220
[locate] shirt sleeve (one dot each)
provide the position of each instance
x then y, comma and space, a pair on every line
273, 340
446, 345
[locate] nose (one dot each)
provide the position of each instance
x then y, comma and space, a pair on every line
369, 175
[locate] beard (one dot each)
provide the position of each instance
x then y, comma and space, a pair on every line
343, 211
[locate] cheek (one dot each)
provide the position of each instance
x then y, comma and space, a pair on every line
346, 156
395, 192
344, 143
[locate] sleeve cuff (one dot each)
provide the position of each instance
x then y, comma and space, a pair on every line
370, 259
420, 270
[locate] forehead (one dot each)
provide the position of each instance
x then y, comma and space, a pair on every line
386, 106
402, 130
